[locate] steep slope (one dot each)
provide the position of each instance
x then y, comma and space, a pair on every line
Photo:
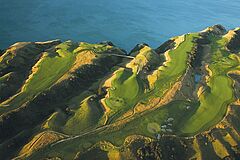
16, 62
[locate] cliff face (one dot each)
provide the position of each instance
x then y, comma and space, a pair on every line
68, 100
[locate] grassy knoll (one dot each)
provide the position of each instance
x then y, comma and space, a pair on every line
125, 89
214, 102
4, 77
55, 121
83, 112
87, 115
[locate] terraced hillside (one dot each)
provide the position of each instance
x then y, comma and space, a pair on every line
68, 100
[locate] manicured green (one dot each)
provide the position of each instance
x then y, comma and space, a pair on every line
126, 89
127, 86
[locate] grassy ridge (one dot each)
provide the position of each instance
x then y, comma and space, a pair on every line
87, 115
125, 91
51, 67
212, 108
168, 74
127, 87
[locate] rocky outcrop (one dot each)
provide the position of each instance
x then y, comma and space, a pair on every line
166, 46
216, 30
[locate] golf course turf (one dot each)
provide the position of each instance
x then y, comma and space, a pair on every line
94, 100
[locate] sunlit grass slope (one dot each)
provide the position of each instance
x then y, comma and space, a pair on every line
175, 66
52, 65
48, 70
85, 116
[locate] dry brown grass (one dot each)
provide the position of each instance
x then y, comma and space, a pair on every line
237, 72
39, 141
178, 40
82, 58
107, 82
130, 139
220, 149
139, 59
200, 91
105, 107
228, 138
152, 78
208, 70
229, 35
85, 57
197, 149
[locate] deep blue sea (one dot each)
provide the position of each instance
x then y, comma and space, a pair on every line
124, 22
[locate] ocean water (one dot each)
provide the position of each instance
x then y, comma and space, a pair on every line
124, 22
